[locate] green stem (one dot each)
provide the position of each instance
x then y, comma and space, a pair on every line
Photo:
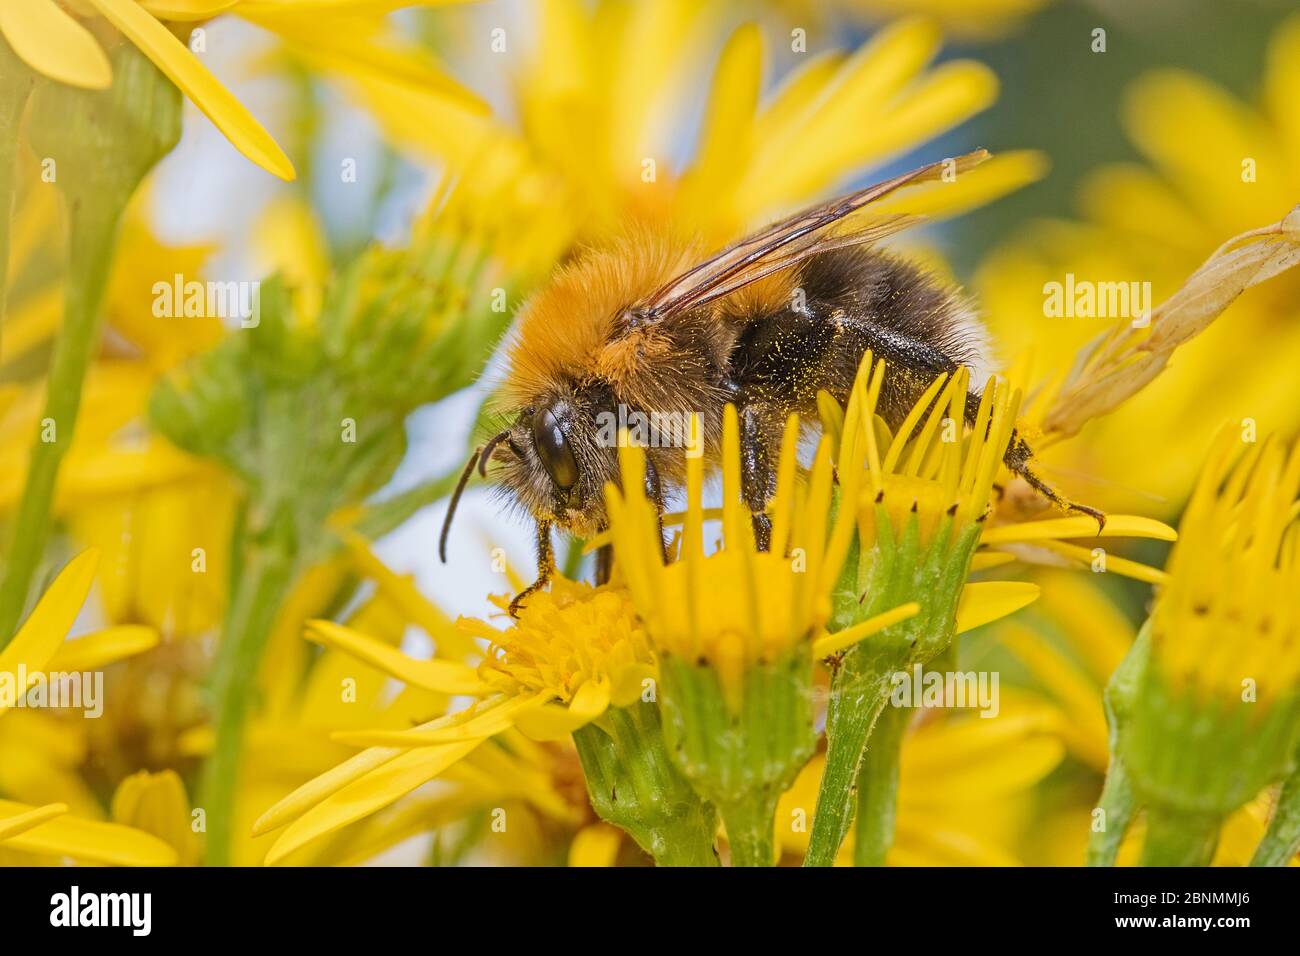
896, 568
1118, 804
264, 578
854, 706
102, 144
751, 828
878, 788
15, 87
93, 227
1175, 838
1282, 841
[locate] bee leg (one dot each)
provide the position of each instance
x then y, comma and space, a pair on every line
604, 563
756, 475
545, 567
1017, 459
655, 489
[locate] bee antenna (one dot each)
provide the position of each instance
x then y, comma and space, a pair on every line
485, 453
455, 500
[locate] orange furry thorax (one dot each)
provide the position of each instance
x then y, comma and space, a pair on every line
565, 332
570, 330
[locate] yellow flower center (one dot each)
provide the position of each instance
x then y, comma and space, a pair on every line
564, 638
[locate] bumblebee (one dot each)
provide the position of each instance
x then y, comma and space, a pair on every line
651, 323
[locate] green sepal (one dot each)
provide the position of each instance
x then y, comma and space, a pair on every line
1206, 756
1118, 803
741, 748
634, 785
1282, 839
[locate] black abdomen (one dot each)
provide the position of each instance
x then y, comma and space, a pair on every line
849, 301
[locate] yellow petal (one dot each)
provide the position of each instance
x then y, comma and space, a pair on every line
449, 641
186, 11
945, 97
986, 601
1080, 526
334, 47
596, 845
924, 841
1114, 565
88, 840
336, 778
1102, 633
1162, 107
1001, 175
54, 44
157, 803
46, 627
218, 104
823, 113
992, 757
1136, 199
22, 822
446, 677
834, 643
555, 722
103, 647
478, 726
725, 132
983, 560
1081, 697
320, 788
372, 792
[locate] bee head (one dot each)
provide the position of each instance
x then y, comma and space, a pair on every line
555, 459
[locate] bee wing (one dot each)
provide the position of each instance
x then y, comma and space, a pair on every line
790, 241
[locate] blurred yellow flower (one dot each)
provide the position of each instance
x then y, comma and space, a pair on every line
1219, 168
548, 674
961, 783
964, 19
58, 43
39, 643
46, 833
160, 518
38, 652
600, 97
1227, 613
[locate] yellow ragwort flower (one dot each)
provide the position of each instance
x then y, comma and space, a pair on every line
602, 107
936, 468
737, 606
1228, 611
1216, 167
1206, 708
962, 780
572, 653
57, 38
737, 629
41, 647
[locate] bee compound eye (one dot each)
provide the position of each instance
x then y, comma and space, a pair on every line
553, 449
